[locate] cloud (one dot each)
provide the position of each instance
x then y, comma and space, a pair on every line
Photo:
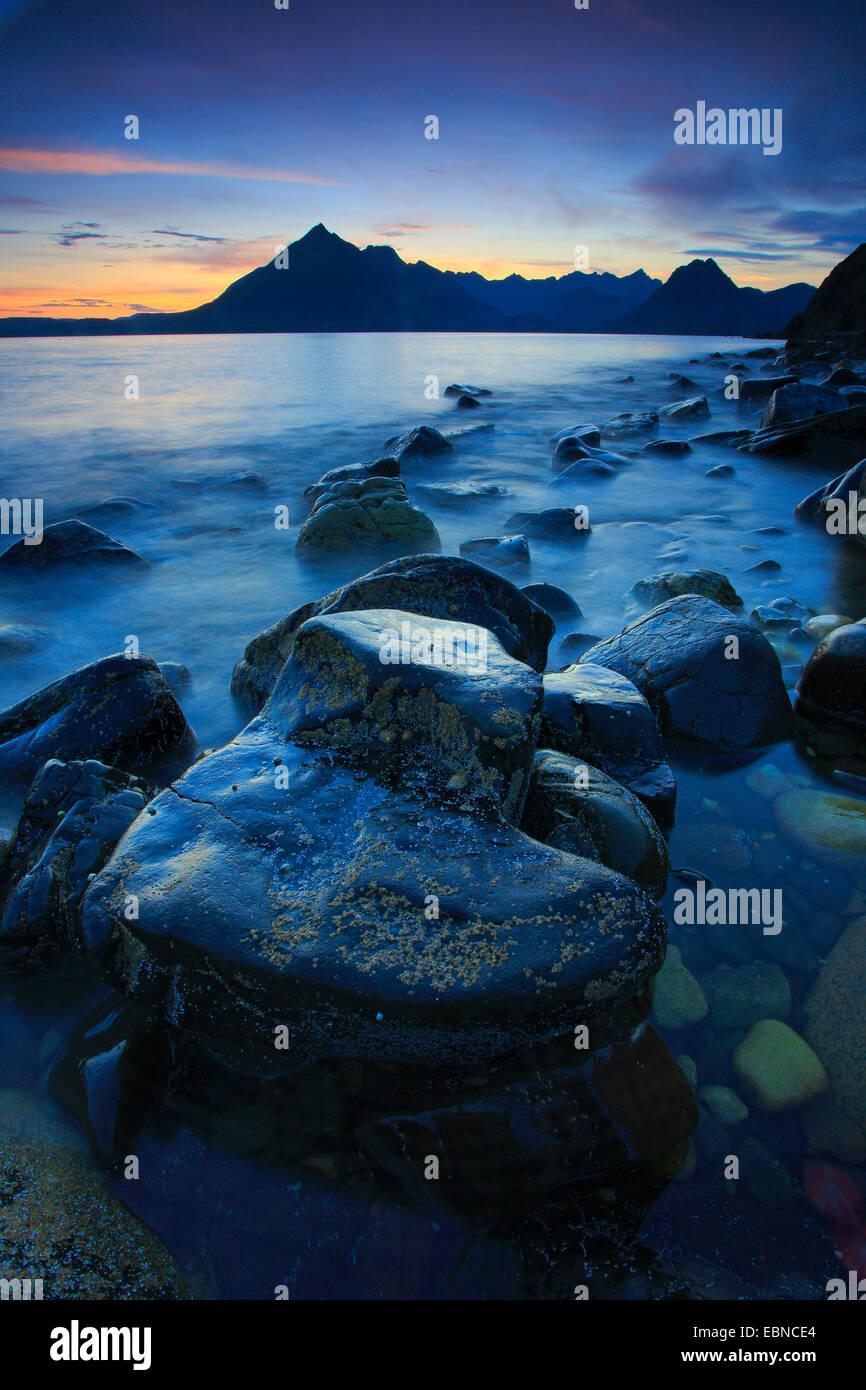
103, 163
828, 231
188, 236
736, 255
72, 238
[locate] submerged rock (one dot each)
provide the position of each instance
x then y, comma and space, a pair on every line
678, 1000
778, 1068
554, 523
631, 422
824, 824
836, 1026
596, 714
74, 816
456, 390
434, 586
579, 809
421, 442
70, 543
458, 494
676, 656
687, 409
375, 512
119, 710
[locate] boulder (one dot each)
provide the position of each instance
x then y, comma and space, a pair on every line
798, 401
586, 434
422, 442
759, 388
658, 588
631, 422
839, 435
830, 707
778, 1068
678, 1000
688, 409
581, 810
119, 710
676, 656
667, 446
70, 543
594, 713
353, 473
554, 524
434, 586
824, 824
436, 707
553, 600
502, 552
73, 818
456, 390
376, 512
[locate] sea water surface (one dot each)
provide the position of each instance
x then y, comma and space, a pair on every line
286, 408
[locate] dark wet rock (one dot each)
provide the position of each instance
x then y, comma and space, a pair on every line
468, 403
574, 644
624, 380
799, 401
435, 586
456, 390
589, 435
839, 435
583, 468
675, 655
458, 494
502, 552
831, 696
631, 423
721, 437
375, 512
667, 446
70, 543
19, 639
353, 473
783, 614
60, 1223
573, 449
422, 442
553, 524
765, 567
594, 713
119, 710
843, 376
760, 388
687, 409
853, 395
579, 809
554, 601
680, 382
763, 1176
622, 1111
113, 507
657, 588
436, 706
176, 675
721, 470
368, 922
824, 502
73, 818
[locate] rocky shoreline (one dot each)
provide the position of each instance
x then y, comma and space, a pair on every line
435, 875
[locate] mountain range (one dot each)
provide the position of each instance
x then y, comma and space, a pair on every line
332, 286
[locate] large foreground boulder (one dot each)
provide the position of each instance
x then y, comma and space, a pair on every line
434, 586
305, 887
798, 401
119, 710
708, 675
831, 696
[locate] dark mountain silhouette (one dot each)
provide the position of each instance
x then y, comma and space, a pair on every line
839, 303
331, 286
588, 299
700, 298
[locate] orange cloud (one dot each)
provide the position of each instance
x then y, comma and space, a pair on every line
100, 162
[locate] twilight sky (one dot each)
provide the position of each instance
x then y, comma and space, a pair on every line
555, 130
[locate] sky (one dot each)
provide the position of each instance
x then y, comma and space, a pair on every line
555, 131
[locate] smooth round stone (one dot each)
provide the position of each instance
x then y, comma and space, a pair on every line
724, 1104
778, 1068
825, 824
824, 623
679, 1001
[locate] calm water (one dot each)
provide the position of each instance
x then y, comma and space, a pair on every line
287, 408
